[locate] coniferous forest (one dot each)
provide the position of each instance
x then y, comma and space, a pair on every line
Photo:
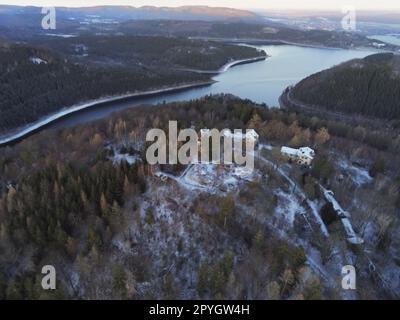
369, 87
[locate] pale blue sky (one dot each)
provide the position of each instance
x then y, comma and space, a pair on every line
267, 4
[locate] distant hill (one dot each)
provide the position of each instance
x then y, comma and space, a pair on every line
24, 24
26, 16
177, 13
369, 87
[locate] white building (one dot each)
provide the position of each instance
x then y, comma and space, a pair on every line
251, 136
303, 156
378, 45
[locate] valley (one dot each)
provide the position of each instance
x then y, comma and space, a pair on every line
262, 81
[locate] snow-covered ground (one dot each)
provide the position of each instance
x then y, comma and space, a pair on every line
359, 176
118, 158
343, 216
288, 207
37, 60
265, 146
61, 35
292, 208
313, 206
177, 240
212, 178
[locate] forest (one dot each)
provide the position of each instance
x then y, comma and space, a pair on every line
368, 87
66, 202
151, 52
36, 82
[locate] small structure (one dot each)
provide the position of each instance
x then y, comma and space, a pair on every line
250, 136
303, 156
344, 217
330, 197
378, 45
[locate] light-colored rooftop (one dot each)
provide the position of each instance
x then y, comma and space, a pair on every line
290, 151
304, 152
250, 134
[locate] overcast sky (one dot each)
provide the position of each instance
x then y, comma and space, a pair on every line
250, 4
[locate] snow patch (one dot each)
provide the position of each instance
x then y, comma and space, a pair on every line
265, 146
61, 35
118, 158
288, 207
359, 176
36, 60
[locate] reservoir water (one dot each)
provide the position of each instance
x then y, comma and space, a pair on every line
262, 81
393, 38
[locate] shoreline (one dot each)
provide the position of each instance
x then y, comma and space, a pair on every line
266, 42
20, 133
234, 63
228, 65
23, 132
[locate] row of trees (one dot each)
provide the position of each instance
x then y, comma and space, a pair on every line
66, 209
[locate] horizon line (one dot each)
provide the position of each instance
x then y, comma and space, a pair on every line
205, 6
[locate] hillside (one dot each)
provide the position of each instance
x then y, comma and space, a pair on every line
154, 52
35, 82
85, 200
368, 87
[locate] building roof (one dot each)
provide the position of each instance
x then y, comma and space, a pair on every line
250, 134
204, 132
304, 152
308, 152
290, 151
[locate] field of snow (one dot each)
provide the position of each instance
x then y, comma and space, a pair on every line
358, 175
